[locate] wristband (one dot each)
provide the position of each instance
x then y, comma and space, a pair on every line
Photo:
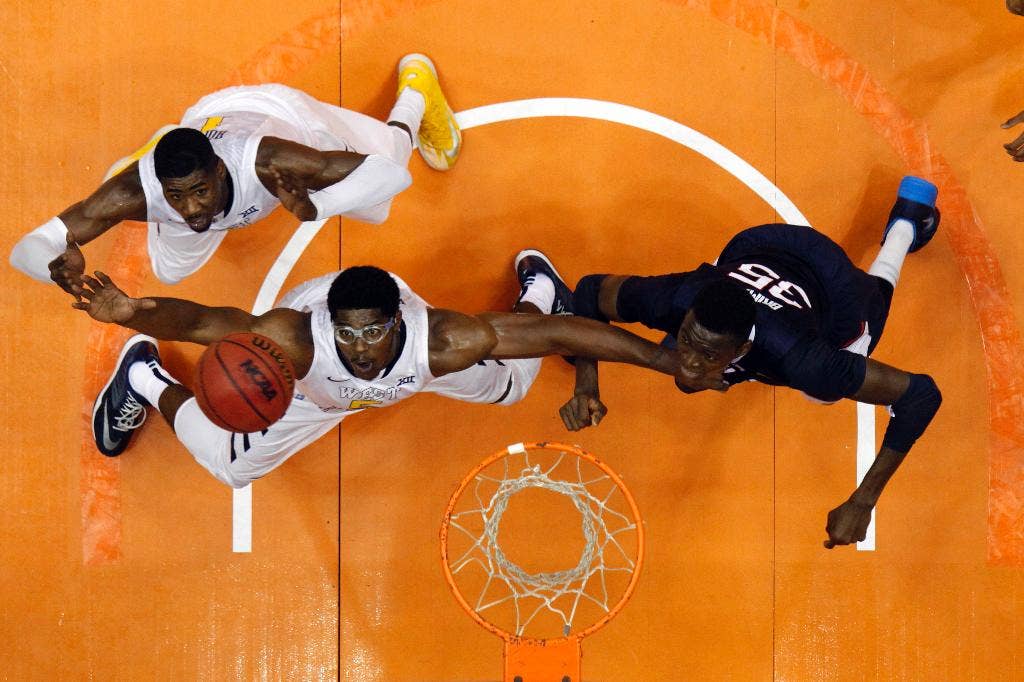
33, 254
376, 180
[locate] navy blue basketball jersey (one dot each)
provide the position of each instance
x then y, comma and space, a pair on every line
811, 301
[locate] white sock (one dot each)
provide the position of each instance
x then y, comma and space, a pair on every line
540, 292
402, 149
889, 261
149, 380
408, 110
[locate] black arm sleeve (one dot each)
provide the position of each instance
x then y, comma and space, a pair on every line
912, 413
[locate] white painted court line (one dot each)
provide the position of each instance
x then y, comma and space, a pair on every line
576, 108
241, 498
865, 456
643, 120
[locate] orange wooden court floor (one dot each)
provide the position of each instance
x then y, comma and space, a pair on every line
123, 569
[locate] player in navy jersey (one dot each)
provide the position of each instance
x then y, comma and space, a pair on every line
783, 305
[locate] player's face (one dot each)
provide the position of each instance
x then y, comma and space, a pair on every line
199, 196
367, 360
703, 357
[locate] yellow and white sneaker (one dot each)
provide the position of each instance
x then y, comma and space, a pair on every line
121, 164
440, 139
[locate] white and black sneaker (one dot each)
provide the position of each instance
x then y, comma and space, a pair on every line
530, 263
119, 409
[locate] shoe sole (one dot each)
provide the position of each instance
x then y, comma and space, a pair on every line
536, 254
417, 57
120, 358
918, 190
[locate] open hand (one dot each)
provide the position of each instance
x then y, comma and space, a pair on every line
67, 269
293, 194
1015, 148
581, 411
847, 523
105, 302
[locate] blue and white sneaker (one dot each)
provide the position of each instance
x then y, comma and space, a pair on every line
119, 410
915, 202
531, 262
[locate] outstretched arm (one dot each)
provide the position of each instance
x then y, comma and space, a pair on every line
596, 297
50, 252
914, 399
458, 341
175, 319
314, 184
528, 336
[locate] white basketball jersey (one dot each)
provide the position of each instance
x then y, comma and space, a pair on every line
332, 387
235, 138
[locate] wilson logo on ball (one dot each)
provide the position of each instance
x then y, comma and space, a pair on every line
273, 351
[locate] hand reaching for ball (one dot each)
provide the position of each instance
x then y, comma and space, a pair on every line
105, 302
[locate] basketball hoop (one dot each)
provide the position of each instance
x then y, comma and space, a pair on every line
542, 615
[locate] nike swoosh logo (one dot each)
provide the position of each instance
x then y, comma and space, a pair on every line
107, 443
338, 381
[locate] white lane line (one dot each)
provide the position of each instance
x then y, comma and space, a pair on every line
865, 456
241, 498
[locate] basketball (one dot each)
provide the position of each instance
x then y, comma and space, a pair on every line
244, 382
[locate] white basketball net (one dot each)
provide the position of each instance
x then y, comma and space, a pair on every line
561, 592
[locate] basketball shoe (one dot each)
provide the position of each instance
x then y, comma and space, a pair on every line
915, 203
119, 410
440, 139
530, 263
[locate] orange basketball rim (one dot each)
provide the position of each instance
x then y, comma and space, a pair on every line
517, 604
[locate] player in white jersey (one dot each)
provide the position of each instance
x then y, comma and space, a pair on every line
358, 339
238, 154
